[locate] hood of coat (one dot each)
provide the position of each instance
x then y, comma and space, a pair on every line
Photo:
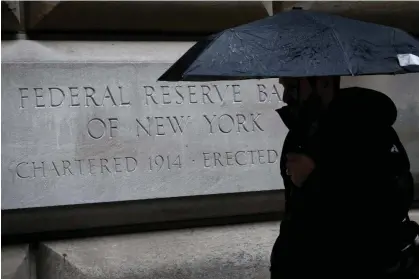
364, 107
353, 106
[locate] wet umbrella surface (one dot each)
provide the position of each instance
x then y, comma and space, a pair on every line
295, 44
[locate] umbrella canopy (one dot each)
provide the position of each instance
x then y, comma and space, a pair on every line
298, 43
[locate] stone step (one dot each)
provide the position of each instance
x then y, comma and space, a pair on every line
223, 252
229, 252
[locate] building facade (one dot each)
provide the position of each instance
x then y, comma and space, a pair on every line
107, 173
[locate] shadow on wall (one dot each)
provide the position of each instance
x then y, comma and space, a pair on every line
404, 91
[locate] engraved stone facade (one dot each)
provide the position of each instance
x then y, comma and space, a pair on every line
79, 133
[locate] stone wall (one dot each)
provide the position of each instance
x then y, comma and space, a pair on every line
93, 145
183, 16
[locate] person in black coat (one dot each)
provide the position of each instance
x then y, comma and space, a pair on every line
342, 217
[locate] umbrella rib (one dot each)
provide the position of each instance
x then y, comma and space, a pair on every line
190, 68
253, 58
348, 62
335, 36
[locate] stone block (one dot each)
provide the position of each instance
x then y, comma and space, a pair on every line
230, 252
145, 16
400, 14
56, 132
16, 263
11, 16
91, 132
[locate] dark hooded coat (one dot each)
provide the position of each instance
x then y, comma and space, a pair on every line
337, 222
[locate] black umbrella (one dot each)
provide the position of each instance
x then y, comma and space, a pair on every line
295, 44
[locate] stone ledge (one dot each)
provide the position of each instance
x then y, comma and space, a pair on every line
142, 16
16, 263
31, 51
142, 215
232, 252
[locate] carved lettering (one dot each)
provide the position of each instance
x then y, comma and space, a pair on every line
97, 101
117, 96
159, 162
238, 123
254, 122
140, 124
238, 155
252, 161
241, 120
194, 94
229, 158
103, 165
228, 122
22, 96
272, 156
74, 93
160, 126
96, 127
35, 168
166, 95
211, 128
149, 91
205, 94
73, 96
89, 92
55, 168
176, 125
79, 167
39, 94
264, 97
113, 125
219, 92
123, 102
62, 96
275, 92
236, 93
66, 166
19, 171
182, 98
108, 95
117, 164
91, 165
133, 166
239, 158
206, 159
261, 156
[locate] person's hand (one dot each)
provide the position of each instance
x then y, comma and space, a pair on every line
299, 167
